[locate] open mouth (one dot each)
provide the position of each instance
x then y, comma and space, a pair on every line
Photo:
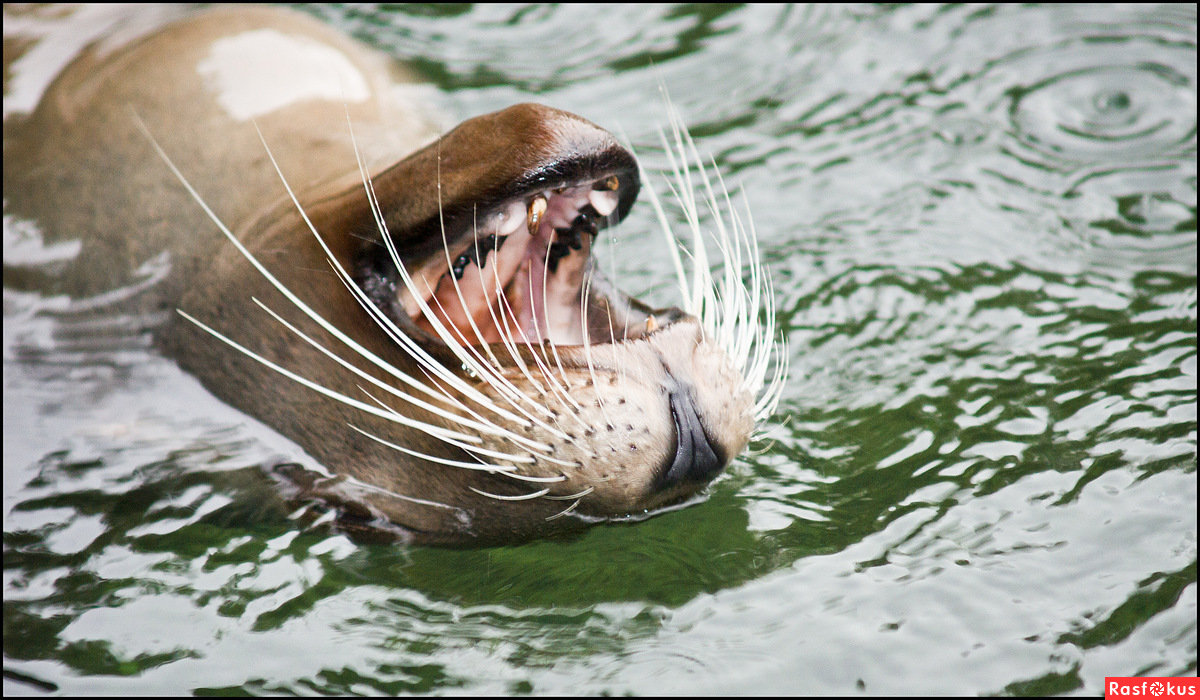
522, 275
492, 228
525, 275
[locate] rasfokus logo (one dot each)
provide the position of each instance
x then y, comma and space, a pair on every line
1144, 687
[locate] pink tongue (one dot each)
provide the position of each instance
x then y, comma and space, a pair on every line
556, 296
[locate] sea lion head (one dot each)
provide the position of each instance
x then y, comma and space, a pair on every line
509, 381
499, 270
421, 314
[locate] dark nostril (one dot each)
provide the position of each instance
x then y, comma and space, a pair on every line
697, 458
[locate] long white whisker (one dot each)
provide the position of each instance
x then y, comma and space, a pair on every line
502, 470
279, 286
526, 497
553, 381
540, 360
494, 454
434, 431
568, 509
476, 466
553, 346
508, 321
512, 396
396, 333
587, 345
571, 496
436, 380
478, 425
738, 315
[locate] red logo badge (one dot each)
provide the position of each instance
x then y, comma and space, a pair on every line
1154, 688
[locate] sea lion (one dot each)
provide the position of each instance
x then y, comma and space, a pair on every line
420, 313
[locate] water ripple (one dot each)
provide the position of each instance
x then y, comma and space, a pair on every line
981, 222
1097, 102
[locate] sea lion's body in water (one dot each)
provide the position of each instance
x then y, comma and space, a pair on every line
428, 324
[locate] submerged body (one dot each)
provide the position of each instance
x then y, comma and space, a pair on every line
426, 322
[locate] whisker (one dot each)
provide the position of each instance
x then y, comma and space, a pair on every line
493, 376
492, 468
516, 459
502, 470
569, 497
568, 509
282, 289
434, 431
562, 374
539, 359
587, 348
542, 360
469, 362
515, 399
482, 426
526, 497
394, 332
738, 315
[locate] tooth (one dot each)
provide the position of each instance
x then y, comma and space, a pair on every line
651, 324
510, 219
609, 183
603, 201
536, 208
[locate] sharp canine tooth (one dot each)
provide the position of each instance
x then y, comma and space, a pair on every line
536, 208
603, 201
651, 324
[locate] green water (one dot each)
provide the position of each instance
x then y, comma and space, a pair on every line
981, 226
